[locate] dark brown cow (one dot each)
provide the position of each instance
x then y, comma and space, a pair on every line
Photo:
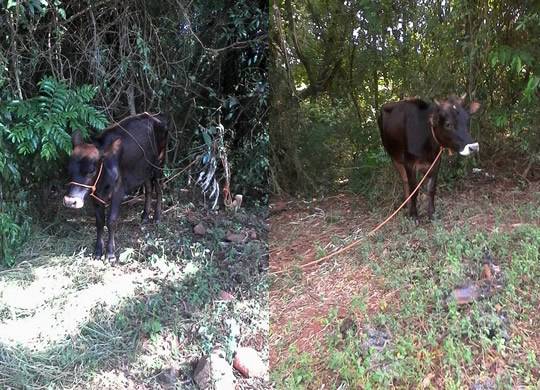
125, 156
412, 133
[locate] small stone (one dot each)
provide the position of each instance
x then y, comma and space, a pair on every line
465, 295
214, 372
278, 207
376, 339
253, 235
348, 326
235, 237
168, 377
248, 363
199, 229
226, 296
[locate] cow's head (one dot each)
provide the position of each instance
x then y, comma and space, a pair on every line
82, 169
451, 125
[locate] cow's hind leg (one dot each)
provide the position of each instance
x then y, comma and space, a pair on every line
411, 177
157, 207
403, 173
100, 226
147, 201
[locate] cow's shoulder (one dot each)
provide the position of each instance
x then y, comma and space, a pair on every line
410, 104
419, 103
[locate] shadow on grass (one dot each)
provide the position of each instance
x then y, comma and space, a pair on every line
172, 316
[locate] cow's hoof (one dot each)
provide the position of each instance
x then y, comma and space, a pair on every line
111, 258
144, 219
414, 219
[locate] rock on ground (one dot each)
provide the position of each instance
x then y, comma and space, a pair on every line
214, 372
199, 229
248, 362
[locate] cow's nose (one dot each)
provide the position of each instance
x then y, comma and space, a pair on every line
72, 202
470, 148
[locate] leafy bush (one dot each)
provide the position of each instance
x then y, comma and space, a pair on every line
40, 125
34, 135
251, 165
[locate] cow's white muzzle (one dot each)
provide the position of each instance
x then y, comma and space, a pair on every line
73, 202
470, 148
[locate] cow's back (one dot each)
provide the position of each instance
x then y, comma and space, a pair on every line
397, 120
143, 144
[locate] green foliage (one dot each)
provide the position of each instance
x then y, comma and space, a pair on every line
347, 59
37, 128
14, 228
251, 165
34, 134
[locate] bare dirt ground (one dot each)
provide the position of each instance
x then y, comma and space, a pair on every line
309, 307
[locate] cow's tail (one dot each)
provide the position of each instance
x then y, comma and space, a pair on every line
161, 135
380, 120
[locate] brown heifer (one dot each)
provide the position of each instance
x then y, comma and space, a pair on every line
413, 131
125, 156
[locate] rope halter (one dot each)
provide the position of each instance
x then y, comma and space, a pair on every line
93, 186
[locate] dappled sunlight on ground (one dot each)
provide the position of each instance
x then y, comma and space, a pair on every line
143, 322
56, 303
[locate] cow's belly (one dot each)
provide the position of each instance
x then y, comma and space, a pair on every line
421, 166
134, 178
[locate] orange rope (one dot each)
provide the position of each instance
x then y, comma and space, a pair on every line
374, 230
93, 186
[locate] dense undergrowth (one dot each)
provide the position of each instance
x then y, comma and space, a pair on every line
79, 66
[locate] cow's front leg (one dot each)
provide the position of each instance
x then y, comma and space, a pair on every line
114, 211
432, 186
99, 211
147, 201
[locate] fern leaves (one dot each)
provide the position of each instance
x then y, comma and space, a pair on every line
41, 124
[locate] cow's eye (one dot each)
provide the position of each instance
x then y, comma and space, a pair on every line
448, 126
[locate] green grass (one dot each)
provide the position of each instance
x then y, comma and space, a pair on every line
168, 314
430, 341
425, 326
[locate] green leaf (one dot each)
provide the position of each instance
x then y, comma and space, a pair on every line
207, 139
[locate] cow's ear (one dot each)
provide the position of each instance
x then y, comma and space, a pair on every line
114, 148
76, 139
474, 107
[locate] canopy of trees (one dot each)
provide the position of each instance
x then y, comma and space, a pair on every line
334, 64
79, 65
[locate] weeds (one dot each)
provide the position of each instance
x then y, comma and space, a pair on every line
412, 335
